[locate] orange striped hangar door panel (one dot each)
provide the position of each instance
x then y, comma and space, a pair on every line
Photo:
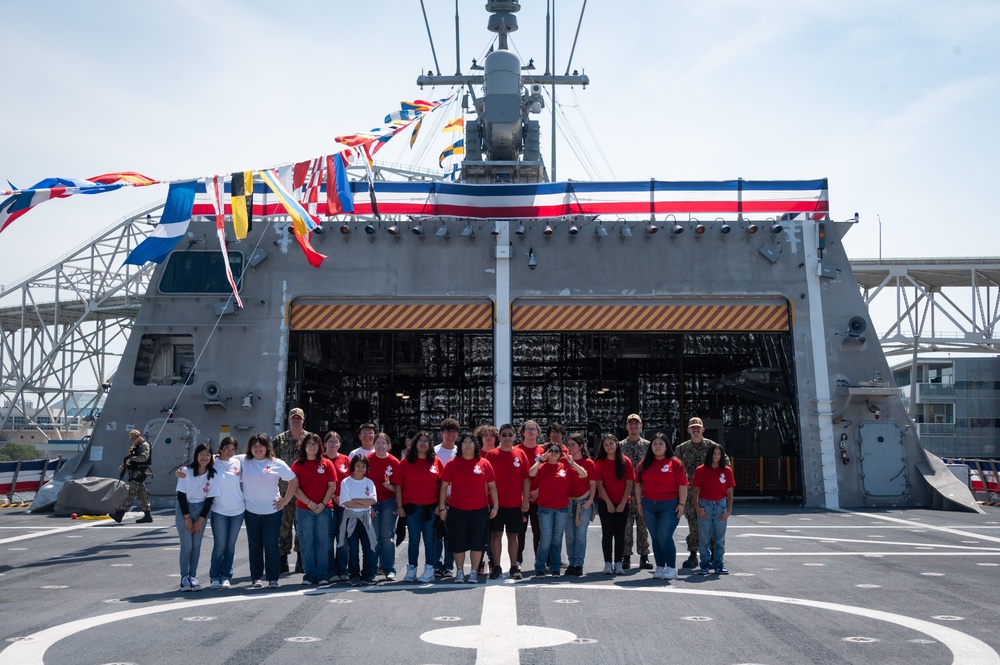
388, 317
647, 318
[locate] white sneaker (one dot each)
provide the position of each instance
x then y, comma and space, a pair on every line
669, 573
608, 568
194, 584
618, 569
226, 584
257, 584
216, 584
390, 576
460, 577
658, 573
428, 575
473, 577
411, 574
185, 584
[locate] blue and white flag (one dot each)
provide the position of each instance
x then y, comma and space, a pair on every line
172, 227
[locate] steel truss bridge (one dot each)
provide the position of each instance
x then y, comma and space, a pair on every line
61, 343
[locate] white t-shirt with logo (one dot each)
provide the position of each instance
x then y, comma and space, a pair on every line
260, 483
230, 502
198, 488
351, 488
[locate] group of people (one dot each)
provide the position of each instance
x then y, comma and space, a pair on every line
455, 502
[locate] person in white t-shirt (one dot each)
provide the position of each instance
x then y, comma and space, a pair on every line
194, 502
264, 503
227, 513
357, 496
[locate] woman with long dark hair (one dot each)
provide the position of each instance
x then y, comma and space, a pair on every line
554, 472
615, 477
261, 471
660, 495
314, 508
417, 484
469, 478
582, 492
195, 492
227, 513
713, 485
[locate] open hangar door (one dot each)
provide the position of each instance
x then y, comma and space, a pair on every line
731, 364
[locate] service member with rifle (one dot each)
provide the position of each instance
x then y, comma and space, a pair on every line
137, 464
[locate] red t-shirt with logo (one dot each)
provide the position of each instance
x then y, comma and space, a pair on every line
554, 482
531, 454
314, 476
614, 486
343, 465
468, 478
579, 486
510, 468
381, 469
421, 481
661, 480
714, 484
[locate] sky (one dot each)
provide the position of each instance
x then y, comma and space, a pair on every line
894, 101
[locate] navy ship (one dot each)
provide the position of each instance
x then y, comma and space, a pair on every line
503, 295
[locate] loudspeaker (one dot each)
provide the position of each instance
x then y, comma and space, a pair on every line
856, 325
211, 390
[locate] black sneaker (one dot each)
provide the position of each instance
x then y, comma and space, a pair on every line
554, 572
645, 564
439, 573
626, 563
447, 573
692, 561
515, 572
539, 573
496, 572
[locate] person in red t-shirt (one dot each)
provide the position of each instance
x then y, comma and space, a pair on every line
660, 495
418, 483
615, 477
713, 498
510, 465
313, 508
555, 473
470, 478
338, 554
530, 431
488, 437
381, 469
582, 492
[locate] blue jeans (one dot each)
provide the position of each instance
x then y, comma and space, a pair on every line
551, 524
262, 541
359, 537
576, 536
338, 554
190, 545
225, 531
314, 543
418, 526
385, 530
661, 520
709, 529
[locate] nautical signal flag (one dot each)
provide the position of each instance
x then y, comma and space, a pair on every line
456, 148
173, 225
59, 188
241, 201
302, 222
456, 125
339, 200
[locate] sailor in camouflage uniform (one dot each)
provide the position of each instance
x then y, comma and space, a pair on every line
692, 454
136, 464
634, 447
286, 448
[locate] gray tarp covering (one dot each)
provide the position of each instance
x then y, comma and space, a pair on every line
90, 496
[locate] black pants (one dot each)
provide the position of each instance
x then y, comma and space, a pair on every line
532, 518
613, 531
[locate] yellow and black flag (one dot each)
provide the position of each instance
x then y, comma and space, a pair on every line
241, 195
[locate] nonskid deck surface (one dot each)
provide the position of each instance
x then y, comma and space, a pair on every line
890, 586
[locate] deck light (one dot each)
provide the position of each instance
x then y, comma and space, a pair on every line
468, 231
573, 229
699, 228
601, 231
626, 231
548, 230
370, 229
532, 263
345, 229
393, 230
777, 228
520, 229
677, 229
651, 228
751, 229
442, 231
495, 231
417, 229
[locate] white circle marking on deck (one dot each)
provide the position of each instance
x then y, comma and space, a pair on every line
966, 649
